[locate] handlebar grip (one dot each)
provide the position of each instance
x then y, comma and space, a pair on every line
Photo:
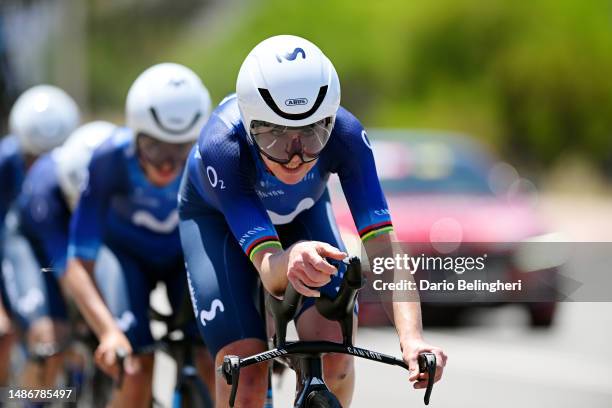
231, 372
291, 298
427, 364
283, 311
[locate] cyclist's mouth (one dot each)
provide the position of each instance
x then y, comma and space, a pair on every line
292, 167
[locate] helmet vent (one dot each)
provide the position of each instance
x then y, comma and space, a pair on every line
186, 129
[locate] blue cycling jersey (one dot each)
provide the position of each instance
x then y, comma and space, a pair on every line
231, 178
119, 206
12, 174
44, 215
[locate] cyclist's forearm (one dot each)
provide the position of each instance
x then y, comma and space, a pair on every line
78, 282
404, 313
407, 320
272, 267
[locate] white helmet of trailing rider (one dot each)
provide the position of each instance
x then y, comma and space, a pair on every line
287, 81
42, 118
73, 157
168, 102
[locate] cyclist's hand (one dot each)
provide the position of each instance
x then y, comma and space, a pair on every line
410, 353
106, 353
307, 267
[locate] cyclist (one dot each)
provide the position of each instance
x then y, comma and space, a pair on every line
41, 119
129, 207
39, 241
254, 204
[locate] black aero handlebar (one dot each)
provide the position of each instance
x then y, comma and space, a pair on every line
338, 309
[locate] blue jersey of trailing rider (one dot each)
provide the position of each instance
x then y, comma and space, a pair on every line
121, 207
12, 174
44, 215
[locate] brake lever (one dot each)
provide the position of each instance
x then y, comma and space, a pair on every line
427, 363
231, 372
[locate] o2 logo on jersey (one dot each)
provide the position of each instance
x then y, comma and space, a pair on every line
365, 139
214, 179
291, 56
209, 315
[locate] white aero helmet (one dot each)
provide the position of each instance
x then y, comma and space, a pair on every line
73, 157
287, 80
42, 118
168, 102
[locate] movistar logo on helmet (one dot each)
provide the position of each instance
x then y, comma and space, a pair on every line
291, 56
177, 82
296, 101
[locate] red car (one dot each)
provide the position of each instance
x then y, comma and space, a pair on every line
444, 188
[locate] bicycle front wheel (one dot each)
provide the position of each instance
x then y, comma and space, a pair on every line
322, 399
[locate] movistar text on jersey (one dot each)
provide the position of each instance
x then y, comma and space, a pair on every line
458, 264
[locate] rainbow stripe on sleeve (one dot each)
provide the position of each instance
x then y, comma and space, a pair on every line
375, 230
270, 241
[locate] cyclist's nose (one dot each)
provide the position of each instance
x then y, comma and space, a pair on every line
295, 160
295, 146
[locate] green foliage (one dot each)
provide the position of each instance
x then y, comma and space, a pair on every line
531, 78
125, 39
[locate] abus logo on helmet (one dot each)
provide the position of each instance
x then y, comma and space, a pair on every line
296, 101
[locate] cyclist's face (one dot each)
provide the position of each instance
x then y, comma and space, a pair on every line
162, 162
290, 173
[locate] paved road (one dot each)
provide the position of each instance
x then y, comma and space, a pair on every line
498, 362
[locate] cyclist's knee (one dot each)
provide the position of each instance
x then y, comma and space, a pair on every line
338, 367
253, 379
136, 389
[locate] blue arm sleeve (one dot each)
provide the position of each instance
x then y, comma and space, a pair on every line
86, 226
43, 214
51, 231
5, 187
354, 163
225, 174
8, 187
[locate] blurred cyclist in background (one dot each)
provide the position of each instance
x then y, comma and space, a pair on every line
36, 249
129, 206
254, 204
40, 120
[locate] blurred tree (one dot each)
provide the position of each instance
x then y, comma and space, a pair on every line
126, 37
529, 78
